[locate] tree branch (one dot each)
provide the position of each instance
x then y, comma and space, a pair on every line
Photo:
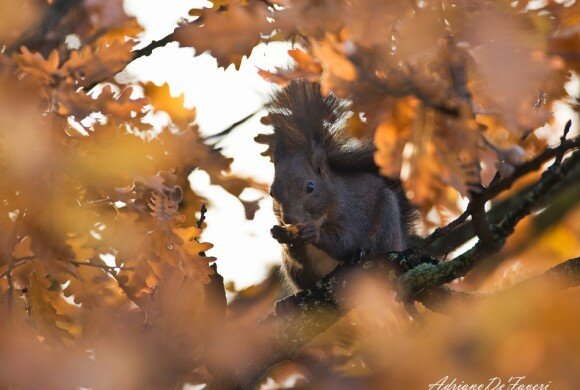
481, 225
422, 277
562, 276
300, 317
104, 267
17, 262
219, 136
441, 241
565, 198
445, 230
531, 166
451, 239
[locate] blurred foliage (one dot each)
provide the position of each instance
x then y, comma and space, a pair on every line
102, 272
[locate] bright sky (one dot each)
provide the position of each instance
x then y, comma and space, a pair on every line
244, 248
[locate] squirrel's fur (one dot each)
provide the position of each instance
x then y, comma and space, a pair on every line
329, 198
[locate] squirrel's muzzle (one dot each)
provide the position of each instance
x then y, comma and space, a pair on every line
291, 219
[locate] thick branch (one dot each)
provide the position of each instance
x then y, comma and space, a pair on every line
441, 241
422, 277
562, 276
565, 198
300, 317
481, 225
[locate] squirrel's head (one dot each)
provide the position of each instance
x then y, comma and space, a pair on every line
302, 187
303, 120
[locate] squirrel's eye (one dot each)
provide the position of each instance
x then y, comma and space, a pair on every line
309, 187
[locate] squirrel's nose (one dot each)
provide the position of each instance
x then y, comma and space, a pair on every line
290, 219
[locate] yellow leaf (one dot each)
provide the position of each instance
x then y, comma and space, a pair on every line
189, 235
45, 70
50, 323
161, 98
81, 253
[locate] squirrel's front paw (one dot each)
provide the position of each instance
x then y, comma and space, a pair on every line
308, 233
281, 234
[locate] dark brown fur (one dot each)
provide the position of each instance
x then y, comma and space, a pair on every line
352, 209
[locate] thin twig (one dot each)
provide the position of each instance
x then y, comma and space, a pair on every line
563, 139
104, 267
445, 230
231, 127
202, 212
16, 263
128, 293
531, 166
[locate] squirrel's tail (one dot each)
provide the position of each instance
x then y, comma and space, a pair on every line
301, 115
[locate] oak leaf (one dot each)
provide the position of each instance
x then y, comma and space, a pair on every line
228, 34
160, 97
97, 62
50, 323
43, 69
306, 67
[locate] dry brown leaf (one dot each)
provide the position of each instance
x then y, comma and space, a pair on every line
50, 323
98, 62
229, 35
44, 70
306, 67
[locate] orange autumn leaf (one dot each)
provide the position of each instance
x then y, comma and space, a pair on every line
160, 97
228, 34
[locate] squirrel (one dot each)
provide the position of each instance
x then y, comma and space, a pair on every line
331, 203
